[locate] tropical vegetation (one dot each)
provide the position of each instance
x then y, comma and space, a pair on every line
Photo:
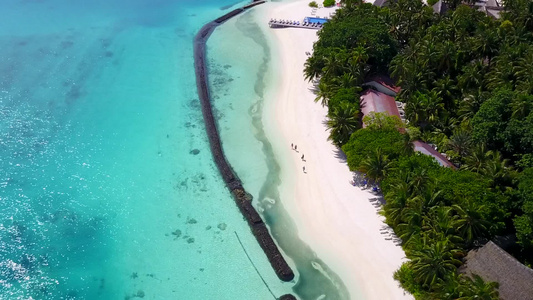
467, 83
328, 3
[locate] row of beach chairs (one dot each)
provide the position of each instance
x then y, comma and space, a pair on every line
288, 22
312, 24
285, 22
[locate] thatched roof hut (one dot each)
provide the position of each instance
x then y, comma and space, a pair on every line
492, 263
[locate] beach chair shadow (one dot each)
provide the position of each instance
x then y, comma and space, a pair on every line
378, 200
359, 179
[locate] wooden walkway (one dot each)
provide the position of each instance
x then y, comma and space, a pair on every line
295, 24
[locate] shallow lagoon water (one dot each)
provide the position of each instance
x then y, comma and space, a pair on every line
107, 186
242, 65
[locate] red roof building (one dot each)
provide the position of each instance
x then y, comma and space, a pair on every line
374, 101
426, 149
383, 84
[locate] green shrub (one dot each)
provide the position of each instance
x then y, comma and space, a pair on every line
405, 276
328, 3
313, 4
364, 141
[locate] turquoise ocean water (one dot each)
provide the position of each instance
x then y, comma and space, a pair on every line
107, 186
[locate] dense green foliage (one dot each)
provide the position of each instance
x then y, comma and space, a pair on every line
524, 222
467, 85
313, 4
328, 3
390, 142
505, 122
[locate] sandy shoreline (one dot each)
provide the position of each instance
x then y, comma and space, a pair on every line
336, 219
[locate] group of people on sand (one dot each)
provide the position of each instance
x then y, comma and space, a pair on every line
295, 148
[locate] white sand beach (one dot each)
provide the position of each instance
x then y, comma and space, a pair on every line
337, 220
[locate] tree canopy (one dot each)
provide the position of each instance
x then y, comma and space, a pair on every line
467, 87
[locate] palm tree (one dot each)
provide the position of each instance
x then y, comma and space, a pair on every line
358, 58
449, 288
376, 165
469, 223
313, 68
429, 198
433, 262
447, 57
334, 64
342, 122
434, 107
478, 159
523, 72
409, 232
522, 106
498, 170
447, 89
472, 76
461, 142
347, 80
400, 67
396, 201
322, 93
476, 289
439, 226
488, 44
470, 105
429, 54
418, 180
414, 111
502, 74
412, 216
425, 109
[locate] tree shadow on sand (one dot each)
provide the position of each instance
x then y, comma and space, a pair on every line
340, 155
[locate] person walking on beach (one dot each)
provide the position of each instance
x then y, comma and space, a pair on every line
292, 146
296, 148
303, 157
304, 169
